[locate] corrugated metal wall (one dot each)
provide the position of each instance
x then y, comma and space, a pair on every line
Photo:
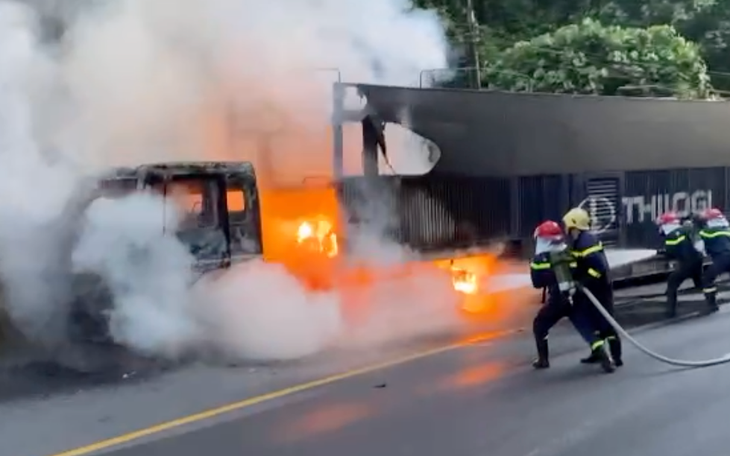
431, 212
442, 211
540, 198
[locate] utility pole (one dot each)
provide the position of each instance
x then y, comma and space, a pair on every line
473, 40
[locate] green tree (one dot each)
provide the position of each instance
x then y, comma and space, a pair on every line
710, 29
589, 58
515, 20
651, 12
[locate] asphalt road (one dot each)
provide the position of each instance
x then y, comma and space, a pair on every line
25, 375
485, 400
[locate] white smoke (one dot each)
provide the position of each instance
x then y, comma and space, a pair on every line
259, 311
406, 307
218, 76
255, 311
137, 81
147, 272
33, 192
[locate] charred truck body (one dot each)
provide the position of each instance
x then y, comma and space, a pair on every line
220, 225
509, 161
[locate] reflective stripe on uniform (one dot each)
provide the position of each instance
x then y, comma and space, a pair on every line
675, 241
594, 273
597, 344
590, 250
714, 234
709, 290
573, 264
540, 266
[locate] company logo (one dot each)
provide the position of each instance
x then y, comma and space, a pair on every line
640, 209
602, 211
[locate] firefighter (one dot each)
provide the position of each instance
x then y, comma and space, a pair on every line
592, 271
550, 248
715, 235
679, 246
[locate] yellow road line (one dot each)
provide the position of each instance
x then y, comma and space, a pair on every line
212, 413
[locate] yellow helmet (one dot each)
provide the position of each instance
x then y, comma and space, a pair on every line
577, 218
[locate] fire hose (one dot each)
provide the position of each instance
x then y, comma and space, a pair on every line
561, 262
623, 333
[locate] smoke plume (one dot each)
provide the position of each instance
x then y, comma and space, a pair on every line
136, 81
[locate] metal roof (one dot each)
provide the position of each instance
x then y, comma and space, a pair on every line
500, 133
182, 168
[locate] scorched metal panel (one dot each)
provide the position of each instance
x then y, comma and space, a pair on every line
507, 134
431, 212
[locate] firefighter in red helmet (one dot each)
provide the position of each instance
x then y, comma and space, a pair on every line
715, 236
552, 257
680, 246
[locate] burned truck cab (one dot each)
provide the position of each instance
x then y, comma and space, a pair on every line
218, 205
216, 209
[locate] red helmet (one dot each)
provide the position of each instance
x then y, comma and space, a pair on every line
549, 230
668, 218
712, 214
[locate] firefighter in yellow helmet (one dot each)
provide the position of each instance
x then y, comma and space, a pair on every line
592, 271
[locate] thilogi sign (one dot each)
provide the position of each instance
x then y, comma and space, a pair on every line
641, 209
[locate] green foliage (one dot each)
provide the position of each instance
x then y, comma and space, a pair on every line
506, 22
589, 58
710, 28
652, 12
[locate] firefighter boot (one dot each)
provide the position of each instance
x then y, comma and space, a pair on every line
600, 351
671, 304
712, 306
592, 358
614, 345
542, 361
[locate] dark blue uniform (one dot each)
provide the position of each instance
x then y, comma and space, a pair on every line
593, 272
679, 247
557, 306
717, 246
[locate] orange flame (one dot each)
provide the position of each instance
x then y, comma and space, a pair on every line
464, 281
466, 275
300, 222
299, 225
320, 235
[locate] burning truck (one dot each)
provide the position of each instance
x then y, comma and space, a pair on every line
222, 225
491, 185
